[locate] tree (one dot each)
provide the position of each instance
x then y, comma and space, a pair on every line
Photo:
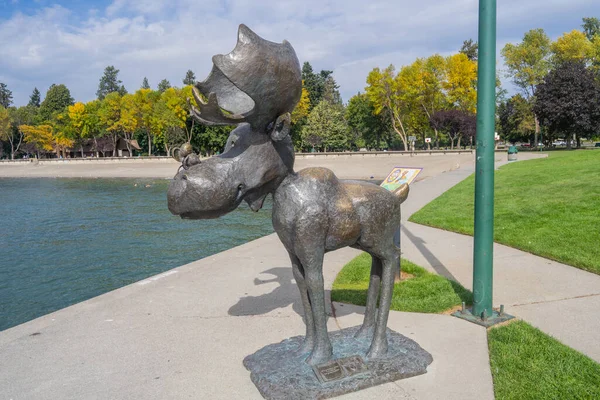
109, 114
470, 49
190, 78
163, 85
461, 82
456, 124
331, 93
77, 119
5, 96
568, 101
39, 137
373, 130
315, 84
591, 27
35, 99
19, 116
145, 84
326, 127
109, 82
571, 46
58, 97
515, 119
528, 64
387, 94
144, 100
122, 91
5, 126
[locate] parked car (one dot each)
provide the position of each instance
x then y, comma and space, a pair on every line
597, 145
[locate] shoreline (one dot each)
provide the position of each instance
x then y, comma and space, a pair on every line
344, 166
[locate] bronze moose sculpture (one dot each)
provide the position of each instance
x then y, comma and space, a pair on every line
256, 87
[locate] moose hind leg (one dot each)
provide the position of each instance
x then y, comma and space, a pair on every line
379, 345
372, 296
309, 338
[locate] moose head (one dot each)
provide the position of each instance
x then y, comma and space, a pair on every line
255, 87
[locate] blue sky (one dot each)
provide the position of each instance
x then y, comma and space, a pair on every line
44, 42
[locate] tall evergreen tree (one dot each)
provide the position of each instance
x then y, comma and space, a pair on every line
470, 48
163, 85
591, 27
109, 82
122, 91
190, 78
145, 84
315, 83
35, 98
5, 96
58, 97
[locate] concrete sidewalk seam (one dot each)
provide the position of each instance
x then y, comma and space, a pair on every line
556, 300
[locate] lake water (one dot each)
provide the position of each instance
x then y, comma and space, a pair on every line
63, 241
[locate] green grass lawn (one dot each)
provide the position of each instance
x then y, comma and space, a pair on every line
425, 292
549, 207
528, 364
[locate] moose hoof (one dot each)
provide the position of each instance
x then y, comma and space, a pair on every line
319, 356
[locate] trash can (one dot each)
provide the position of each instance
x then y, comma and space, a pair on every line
512, 153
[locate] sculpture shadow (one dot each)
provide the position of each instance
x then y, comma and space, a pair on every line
282, 296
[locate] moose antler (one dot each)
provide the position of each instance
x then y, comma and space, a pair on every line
210, 113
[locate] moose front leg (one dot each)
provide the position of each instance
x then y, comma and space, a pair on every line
372, 296
379, 345
309, 338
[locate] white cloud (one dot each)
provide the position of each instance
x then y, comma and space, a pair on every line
163, 39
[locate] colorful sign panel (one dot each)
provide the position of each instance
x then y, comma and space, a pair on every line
400, 176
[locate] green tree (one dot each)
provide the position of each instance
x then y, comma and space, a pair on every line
516, 122
331, 92
469, 48
58, 97
373, 130
145, 84
35, 98
190, 78
528, 63
568, 101
315, 84
109, 82
109, 114
326, 127
163, 85
6, 131
19, 116
5, 96
591, 27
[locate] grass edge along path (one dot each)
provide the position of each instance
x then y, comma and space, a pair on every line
525, 362
529, 364
547, 207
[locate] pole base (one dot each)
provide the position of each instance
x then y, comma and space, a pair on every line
495, 318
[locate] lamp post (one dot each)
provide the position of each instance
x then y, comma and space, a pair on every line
482, 312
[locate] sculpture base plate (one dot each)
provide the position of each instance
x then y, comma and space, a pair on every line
280, 372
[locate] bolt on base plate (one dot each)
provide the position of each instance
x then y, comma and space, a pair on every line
483, 320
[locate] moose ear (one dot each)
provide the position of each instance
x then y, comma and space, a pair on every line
281, 128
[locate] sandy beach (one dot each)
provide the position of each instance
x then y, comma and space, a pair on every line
351, 166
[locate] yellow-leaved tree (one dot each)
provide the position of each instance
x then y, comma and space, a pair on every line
386, 92
39, 136
460, 84
572, 46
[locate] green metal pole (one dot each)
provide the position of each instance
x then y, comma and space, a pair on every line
484, 167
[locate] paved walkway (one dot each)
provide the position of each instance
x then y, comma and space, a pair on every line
184, 333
